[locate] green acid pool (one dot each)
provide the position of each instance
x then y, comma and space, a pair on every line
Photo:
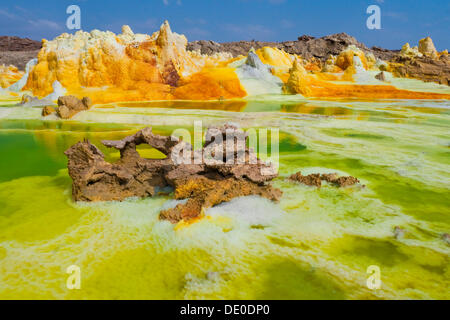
314, 244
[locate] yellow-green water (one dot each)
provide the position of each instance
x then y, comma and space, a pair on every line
314, 244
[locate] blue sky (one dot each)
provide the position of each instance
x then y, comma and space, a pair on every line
231, 20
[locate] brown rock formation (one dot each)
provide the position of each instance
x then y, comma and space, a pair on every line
68, 106
422, 68
315, 180
8, 43
204, 185
312, 180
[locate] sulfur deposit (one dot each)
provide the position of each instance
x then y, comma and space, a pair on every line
9, 75
130, 66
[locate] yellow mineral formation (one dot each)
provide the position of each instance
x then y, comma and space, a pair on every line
275, 57
279, 61
9, 75
346, 58
122, 67
427, 48
410, 52
209, 84
298, 81
316, 86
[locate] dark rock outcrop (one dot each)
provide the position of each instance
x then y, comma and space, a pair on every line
204, 184
306, 46
384, 54
312, 180
18, 51
8, 43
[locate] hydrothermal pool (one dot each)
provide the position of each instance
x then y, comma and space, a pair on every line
314, 244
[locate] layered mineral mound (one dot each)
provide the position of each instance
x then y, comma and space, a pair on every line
9, 75
130, 66
224, 169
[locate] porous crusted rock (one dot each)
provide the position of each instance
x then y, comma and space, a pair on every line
68, 106
342, 182
95, 179
312, 180
316, 179
205, 184
205, 192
